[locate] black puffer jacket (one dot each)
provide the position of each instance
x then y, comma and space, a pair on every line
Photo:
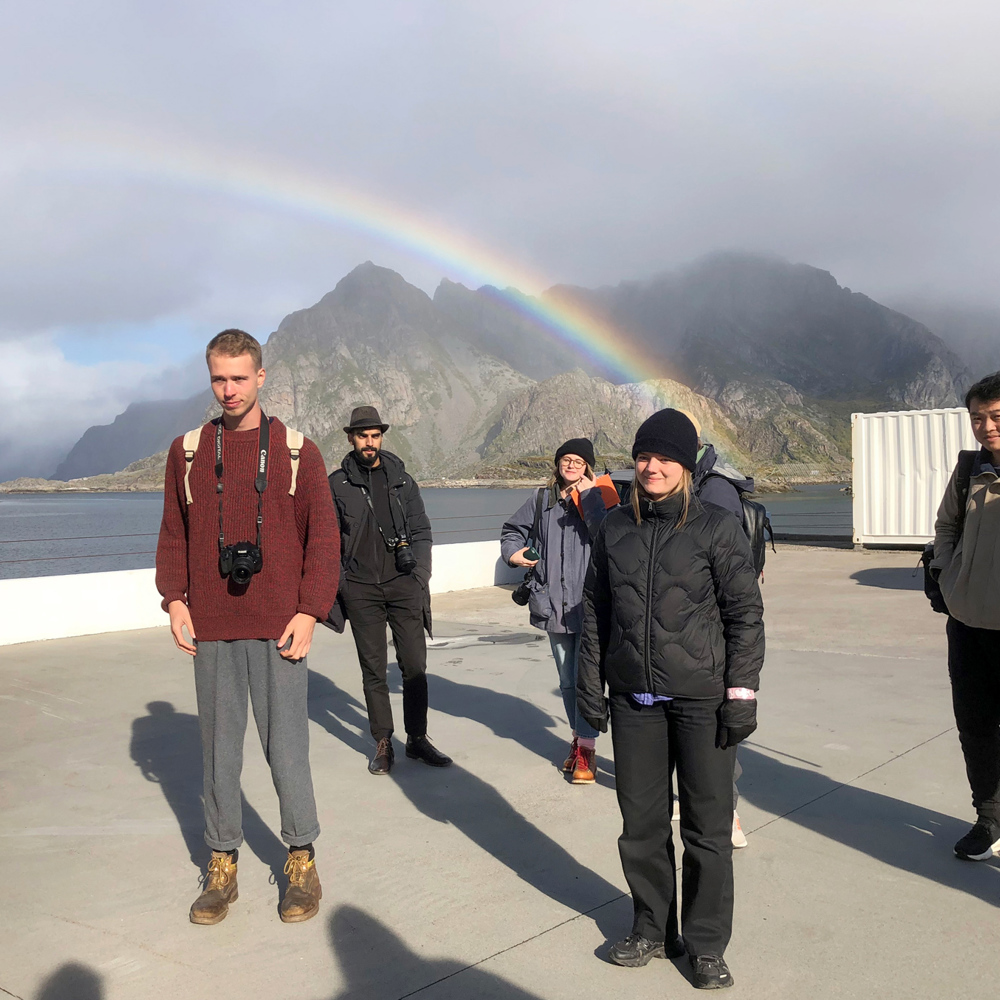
669, 610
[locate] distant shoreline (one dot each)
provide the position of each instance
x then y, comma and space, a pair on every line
51, 486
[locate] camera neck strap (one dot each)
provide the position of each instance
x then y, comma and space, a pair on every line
392, 533
260, 483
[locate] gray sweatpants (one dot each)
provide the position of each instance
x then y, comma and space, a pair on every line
224, 673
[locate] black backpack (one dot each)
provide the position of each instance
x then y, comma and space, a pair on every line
756, 523
963, 479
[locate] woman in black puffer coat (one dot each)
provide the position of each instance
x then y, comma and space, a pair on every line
673, 628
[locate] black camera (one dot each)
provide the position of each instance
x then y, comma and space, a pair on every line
521, 594
240, 561
406, 561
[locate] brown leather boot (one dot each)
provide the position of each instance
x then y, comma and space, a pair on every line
585, 768
301, 900
570, 762
220, 890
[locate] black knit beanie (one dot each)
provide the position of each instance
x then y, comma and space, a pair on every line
577, 446
668, 433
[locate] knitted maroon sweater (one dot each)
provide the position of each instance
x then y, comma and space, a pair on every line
300, 539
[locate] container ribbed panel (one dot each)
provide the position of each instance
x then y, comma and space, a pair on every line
902, 463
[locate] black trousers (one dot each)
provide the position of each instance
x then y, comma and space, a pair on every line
648, 742
400, 602
974, 668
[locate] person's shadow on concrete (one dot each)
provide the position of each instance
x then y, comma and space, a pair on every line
890, 578
375, 962
72, 981
897, 833
166, 747
463, 800
509, 717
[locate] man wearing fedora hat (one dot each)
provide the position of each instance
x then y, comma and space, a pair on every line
385, 573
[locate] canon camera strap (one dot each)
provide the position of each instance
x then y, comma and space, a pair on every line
259, 484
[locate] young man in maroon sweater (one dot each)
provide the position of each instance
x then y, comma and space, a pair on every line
249, 635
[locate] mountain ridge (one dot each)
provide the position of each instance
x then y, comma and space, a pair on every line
771, 355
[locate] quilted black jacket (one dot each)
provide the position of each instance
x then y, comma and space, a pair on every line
669, 610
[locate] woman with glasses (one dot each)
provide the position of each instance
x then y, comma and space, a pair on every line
569, 511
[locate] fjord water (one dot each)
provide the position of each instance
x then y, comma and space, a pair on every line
53, 534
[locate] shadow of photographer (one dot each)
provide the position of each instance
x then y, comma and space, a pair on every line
374, 961
72, 981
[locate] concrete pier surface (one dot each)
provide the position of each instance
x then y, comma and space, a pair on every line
495, 878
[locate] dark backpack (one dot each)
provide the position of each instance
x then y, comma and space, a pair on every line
756, 523
963, 479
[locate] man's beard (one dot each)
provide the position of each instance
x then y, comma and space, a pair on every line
365, 460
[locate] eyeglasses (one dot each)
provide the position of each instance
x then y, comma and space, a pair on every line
572, 463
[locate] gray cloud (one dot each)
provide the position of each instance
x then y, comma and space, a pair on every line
591, 142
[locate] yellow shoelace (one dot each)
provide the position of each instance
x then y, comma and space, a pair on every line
296, 868
218, 873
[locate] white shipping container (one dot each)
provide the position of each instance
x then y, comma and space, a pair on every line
902, 463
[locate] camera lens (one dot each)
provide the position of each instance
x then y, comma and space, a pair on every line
406, 561
242, 570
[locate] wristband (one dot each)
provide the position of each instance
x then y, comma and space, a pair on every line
740, 694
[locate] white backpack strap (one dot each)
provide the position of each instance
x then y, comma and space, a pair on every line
294, 439
191, 440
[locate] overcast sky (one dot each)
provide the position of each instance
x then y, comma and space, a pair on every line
588, 141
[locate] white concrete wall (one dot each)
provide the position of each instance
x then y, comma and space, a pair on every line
56, 607
466, 565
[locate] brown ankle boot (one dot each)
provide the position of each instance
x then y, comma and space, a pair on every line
301, 900
220, 890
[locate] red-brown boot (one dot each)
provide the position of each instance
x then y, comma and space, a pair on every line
585, 768
570, 762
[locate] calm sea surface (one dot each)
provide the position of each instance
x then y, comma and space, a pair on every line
55, 534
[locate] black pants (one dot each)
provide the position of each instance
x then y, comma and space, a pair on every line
648, 741
974, 667
400, 602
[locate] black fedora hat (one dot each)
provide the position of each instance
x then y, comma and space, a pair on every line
364, 418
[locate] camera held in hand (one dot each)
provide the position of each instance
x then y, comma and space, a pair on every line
406, 561
241, 560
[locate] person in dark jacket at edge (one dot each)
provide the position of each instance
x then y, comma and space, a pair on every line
673, 627
556, 602
711, 485
385, 575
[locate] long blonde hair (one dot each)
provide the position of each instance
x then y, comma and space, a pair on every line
639, 493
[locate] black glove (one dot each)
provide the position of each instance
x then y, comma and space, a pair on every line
600, 724
737, 720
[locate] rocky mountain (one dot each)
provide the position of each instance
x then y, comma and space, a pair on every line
972, 333
538, 419
747, 317
498, 324
143, 429
377, 340
772, 356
